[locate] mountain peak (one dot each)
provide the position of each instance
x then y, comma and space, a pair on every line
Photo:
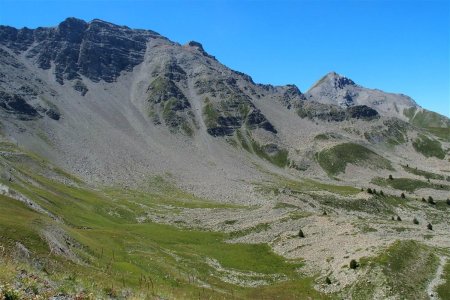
72, 21
332, 80
338, 81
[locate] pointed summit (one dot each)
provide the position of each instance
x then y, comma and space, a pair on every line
336, 89
333, 80
340, 81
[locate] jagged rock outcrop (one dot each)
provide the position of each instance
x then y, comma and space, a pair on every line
330, 112
362, 112
199, 47
167, 101
98, 50
232, 108
16, 104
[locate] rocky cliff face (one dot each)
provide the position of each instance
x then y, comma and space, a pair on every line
97, 50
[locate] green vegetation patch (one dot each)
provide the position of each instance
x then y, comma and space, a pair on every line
428, 147
407, 267
443, 133
374, 205
394, 132
210, 114
443, 290
432, 122
306, 186
427, 175
335, 159
408, 184
278, 157
424, 118
322, 137
255, 229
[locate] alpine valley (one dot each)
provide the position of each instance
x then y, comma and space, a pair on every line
133, 167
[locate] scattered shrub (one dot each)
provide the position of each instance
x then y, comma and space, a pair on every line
9, 293
403, 196
327, 280
381, 193
448, 201
369, 190
398, 218
431, 200
393, 219
111, 292
423, 199
353, 264
429, 226
390, 177
415, 221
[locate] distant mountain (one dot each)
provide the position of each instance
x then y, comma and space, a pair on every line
336, 89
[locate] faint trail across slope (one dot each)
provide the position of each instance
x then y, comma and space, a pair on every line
437, 280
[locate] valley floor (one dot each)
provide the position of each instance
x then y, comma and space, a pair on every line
62, 239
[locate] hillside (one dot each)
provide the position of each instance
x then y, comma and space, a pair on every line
160, 172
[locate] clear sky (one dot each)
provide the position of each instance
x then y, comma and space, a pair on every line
398, 46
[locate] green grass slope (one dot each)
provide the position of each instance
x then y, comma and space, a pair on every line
433, 122
335, 159
428, 147
408, 184
443, 290
406, 268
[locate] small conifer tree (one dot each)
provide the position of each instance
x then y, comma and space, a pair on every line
301, 234
353, 264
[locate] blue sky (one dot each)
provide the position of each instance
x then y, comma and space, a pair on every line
397, 46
